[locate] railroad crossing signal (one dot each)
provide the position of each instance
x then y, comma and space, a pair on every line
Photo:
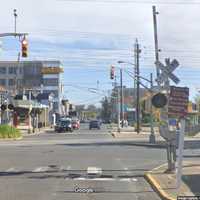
159, 100
166, 71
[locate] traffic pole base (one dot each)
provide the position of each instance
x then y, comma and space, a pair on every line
152, 139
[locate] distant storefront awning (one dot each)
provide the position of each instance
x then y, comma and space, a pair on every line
28, 104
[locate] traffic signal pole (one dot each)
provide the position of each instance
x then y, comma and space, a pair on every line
137, 51
121, 99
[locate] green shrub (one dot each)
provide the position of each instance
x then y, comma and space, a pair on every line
7, 131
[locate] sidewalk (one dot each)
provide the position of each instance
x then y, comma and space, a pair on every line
129, 132
190, 141
42, 130
165, 183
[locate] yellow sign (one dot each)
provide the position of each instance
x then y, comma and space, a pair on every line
52, 70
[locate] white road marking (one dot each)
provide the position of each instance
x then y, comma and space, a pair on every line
12, 169
94, 171
101, 179
125, 179
134, 179
41, 169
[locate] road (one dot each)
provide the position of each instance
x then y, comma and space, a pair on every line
46, 166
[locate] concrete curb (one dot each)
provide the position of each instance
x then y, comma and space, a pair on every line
156, 186
144, 143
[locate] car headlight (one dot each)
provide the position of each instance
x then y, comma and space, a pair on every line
70, 125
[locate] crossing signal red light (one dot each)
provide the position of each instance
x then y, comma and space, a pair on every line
24, 48
112, 72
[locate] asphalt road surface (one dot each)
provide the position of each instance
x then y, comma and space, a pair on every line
46, 167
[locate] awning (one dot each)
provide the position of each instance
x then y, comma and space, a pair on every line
28, 104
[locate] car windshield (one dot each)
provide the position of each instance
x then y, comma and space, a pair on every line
94, 122
99, 99
65, 122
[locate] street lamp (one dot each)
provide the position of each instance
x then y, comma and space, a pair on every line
137, 79
125, 62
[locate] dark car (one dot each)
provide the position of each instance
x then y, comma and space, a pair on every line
94, 124
63, 125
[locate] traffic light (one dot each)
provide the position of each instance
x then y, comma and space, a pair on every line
24, 47
3, 107
112, 72
10, 107
159, 100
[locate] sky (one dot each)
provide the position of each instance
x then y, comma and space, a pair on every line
88, 36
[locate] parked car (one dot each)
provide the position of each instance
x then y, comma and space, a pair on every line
94, 124
63, 125
75, 124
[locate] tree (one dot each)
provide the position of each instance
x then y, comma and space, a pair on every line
92, 108
197, 101
106, 109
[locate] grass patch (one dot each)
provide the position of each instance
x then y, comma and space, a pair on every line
7, 131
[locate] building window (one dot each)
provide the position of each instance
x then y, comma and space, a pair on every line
3, 82
2, 70
50, 82
12, 70
11, 82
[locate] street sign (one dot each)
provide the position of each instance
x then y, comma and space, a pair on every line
159, 100
167, 71
178, 101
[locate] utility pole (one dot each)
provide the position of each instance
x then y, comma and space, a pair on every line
121, 99
156, 38
163, 111
137, 51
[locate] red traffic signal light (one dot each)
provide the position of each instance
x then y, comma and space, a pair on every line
112, 72
24, 48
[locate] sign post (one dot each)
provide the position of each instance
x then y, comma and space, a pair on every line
178, 103
180, 154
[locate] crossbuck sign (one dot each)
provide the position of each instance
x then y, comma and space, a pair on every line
166, 71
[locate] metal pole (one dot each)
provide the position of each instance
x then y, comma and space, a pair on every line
180, 154
15, 16
29, 111
7, 111
121, 101
118, 109
156, 38
135, 82
138, 89
164, 115
152, 138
